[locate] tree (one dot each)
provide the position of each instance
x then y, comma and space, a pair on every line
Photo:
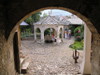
32, 19
29, 20
36, 16
44, 15
68, 17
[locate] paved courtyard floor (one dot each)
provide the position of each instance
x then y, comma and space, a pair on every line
51, 59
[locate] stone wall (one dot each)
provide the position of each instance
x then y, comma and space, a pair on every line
7, 60
6, 49
96, 55
13, 12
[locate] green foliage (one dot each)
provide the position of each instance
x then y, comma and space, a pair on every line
38, 30
47, 31
82, 28
79, 35
26, 32
33, 18
77, 45
82, 42
23, 28
36, 16
72, 29
82, 35
29, 20
68, 16
44, 15
76, 31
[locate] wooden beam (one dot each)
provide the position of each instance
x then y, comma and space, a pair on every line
19, 36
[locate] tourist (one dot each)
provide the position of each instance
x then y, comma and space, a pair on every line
69, 34
66, 34
53, 37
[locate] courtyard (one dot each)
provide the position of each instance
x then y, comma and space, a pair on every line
51, 58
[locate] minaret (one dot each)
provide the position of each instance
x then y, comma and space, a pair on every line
50, 12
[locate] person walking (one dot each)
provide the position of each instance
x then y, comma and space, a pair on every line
53, 37
69, 34
66, 34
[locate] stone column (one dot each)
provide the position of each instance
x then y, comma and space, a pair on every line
86, 65
62, 34
35, 35
42, 36
57, 40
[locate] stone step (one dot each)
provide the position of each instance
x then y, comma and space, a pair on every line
21, 60
24, 66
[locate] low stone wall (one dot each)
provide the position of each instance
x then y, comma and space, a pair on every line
27, 38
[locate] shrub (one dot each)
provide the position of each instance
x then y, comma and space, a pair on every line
72, 29
82, 41
79, 33
76, 31
80, 48
71, 46
77, 45
78, 39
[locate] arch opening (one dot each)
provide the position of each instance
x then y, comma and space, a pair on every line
49, 35
60, 28
88, 23
38, 33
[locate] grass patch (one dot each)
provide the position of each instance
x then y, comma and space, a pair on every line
77, 45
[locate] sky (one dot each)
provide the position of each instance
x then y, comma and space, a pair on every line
57, 12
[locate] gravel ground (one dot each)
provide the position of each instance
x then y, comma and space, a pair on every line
51, 59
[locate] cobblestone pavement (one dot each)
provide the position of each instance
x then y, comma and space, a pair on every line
51, 59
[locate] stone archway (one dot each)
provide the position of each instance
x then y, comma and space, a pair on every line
50, 29
89, 24
48, 35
